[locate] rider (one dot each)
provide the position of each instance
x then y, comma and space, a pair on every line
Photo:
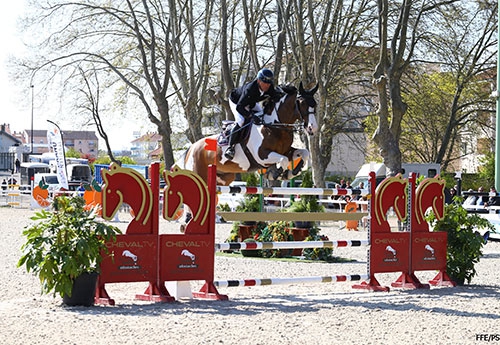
244, 101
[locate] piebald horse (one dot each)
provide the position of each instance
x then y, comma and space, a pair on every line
268, 144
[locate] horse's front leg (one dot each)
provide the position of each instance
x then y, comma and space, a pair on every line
300, 159
275, 158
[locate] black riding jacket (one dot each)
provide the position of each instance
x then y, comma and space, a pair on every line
246, 96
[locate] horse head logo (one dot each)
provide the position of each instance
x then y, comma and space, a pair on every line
127, 185
183, 187
429, 194
392, 192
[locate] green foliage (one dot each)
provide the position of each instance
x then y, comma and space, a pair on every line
223, 207
324, 254
276, 232
64, 243
474, 181
307, 203
487, 169
251, 253
251, 180
103, 160
464, 245
72, 153
106, 160
256, 231
250, 202
126, 160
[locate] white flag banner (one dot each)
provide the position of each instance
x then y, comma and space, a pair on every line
54, 139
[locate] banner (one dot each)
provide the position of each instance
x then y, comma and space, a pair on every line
55, 141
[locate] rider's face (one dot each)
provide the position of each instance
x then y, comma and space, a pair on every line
263, 86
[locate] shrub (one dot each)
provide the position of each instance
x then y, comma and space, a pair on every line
464, 243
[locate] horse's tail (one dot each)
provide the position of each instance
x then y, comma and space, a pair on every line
181, 162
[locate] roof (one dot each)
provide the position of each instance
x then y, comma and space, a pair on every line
156, 152
11, 137
67, 135
148, 137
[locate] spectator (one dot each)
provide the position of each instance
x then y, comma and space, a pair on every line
493, 199
4, 186
453, 192
480, 198
471, 199
18, 165
81, 189
342, 184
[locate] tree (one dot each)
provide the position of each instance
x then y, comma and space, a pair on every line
329, 45
465, 47
91, 101
399, 31
127, 43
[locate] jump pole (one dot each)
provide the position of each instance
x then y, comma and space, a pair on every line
289, 245
284, 281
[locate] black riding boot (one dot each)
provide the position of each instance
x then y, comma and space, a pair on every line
233, 140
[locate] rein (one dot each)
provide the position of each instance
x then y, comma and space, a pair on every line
297, 127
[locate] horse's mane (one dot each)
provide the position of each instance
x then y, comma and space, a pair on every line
288, 88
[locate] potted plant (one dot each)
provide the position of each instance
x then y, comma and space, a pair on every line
64, 247
323, 254
464, 242
276, 232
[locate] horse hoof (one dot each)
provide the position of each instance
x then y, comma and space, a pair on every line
277, 173
298, 168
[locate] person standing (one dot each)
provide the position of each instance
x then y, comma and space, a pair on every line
18, 165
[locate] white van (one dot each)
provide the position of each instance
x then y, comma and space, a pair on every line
47, 179
425, 169
28, 171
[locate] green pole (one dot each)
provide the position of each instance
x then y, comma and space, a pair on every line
497, 122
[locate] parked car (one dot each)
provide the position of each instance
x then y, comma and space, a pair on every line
232, 200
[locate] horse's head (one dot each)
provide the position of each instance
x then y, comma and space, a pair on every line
306, 105
430, 193
392, 192
112, 197
172, 198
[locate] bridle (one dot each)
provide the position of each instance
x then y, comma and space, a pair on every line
311, 107
296, 126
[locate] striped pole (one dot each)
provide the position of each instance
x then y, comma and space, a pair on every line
282, 281
289, 245
290, 191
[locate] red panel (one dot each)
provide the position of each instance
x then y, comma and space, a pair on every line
185, 257
133, 258
389, 252
429, 251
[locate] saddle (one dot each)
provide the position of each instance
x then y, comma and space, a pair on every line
243, 133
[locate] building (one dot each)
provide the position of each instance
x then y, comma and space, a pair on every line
144, 145
84, 142
7, 142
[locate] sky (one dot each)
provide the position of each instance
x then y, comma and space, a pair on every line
13, 112
16, 106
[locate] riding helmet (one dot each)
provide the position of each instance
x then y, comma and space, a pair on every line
266, 75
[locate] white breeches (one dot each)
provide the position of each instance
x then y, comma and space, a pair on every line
240, 119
